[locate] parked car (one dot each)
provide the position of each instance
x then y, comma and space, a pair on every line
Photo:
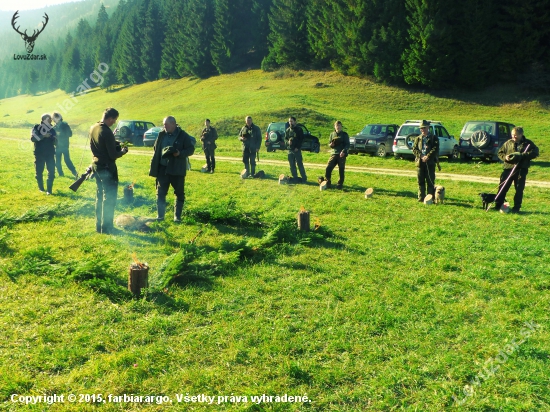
483, 138
275, 138
374, 139
403, 142
151, 135
132, 131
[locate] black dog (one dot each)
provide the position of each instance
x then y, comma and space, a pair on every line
487, 199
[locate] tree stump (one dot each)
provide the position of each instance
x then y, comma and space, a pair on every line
303, 220
129, 193
138, 278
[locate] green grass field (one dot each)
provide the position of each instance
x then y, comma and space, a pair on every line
388, 305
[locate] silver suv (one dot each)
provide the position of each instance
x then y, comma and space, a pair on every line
403, 142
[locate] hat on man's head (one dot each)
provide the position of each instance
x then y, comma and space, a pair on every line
424, 123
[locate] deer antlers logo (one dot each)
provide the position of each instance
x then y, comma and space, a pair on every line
29, 40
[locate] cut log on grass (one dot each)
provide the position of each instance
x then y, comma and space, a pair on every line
138, 278
303, 220
368, 193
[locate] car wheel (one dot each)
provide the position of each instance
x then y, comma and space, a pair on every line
480, 139
454, 153
409, 140
124, 132
381, 151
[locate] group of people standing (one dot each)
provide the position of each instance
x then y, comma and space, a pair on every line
173, 146
251, 139
51, 145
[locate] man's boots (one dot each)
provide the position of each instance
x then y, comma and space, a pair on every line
177, 211
161, 209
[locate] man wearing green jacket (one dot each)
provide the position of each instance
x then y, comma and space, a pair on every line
518, 151
425, 150
64, 132
169, 165
294, 136
251, 139
339, 143
106, 150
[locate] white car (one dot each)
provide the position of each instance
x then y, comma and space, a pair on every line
403, 142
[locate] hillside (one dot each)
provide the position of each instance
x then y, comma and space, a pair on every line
386, 304
315, 98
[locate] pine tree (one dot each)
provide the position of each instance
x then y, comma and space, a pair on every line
288, 36
173, 39
196, 36
127, 50
429, 59
152, 37
223, 42
320, 25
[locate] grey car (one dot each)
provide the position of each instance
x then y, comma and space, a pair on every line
376, 139
150, 136
132, 131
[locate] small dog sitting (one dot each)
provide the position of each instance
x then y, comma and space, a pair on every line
439, 197
487, 199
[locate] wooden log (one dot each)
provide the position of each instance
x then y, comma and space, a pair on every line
129, 194
303, 221
138, 278
368, 193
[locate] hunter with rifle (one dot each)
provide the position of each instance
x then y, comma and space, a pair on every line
105, 151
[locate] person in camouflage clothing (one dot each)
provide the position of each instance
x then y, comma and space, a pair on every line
44, 138
339, 143
64, 132
209, 135
294, 136
251, 139
425, 150
515, 152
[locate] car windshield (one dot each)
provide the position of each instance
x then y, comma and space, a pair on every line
276, 127
477, 126
149, 125
407, 130
373, 129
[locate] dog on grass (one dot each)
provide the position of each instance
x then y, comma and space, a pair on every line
439, 197
487, 199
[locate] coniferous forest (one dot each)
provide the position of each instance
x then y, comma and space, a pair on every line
433, 44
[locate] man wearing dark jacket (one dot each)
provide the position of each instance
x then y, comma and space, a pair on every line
251, 138
294, 136
169, 165
105, 150
339, 143
64, 132
44, 138
425, 150
518, 151
209, 135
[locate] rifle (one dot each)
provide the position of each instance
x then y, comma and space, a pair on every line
74, 187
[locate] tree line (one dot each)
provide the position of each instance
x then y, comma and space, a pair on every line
429, 43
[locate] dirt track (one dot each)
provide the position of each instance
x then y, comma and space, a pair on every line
371, 170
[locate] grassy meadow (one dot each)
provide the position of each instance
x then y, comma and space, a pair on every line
387, 305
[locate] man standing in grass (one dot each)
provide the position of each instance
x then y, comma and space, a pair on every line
339, 143
64, 132
105, 150
44, 138
294, 136
425, 149
251, 138
209, 136
169, 165
516, 154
